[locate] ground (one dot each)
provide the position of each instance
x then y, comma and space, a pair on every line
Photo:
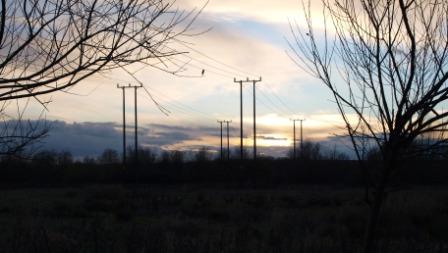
204, 218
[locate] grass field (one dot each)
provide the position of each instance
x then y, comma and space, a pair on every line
113, 218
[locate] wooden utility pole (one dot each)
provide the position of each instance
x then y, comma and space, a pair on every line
301, 137
254, 82
228, 143
136, 125
124, 123
135, 87
294, 137
222, 154
241, 115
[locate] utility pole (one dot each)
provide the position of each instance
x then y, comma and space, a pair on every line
254, 82
135, 87
124, 123
228, 143
241, 115
135, 125
295, 139
222, 154
301, 137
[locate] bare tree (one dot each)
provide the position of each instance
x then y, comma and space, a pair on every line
18, 135
386, 64
51, 45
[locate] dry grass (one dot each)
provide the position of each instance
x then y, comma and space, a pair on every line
197, 219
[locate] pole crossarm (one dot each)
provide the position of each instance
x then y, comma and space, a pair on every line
135, 87
254, 82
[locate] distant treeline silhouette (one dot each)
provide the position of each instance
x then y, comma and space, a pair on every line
172, 167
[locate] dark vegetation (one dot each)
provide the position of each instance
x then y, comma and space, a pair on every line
53, 203
51, 168
193, 218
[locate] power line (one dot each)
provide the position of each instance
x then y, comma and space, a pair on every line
281, 102
154, 95
182, 108
231, 73
215, 60
197, 67
274, 105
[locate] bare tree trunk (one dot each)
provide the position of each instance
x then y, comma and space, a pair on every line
379, 197
370, 234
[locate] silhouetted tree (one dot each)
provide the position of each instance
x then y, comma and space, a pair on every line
176, 156
51, 45
146, 156
202, 155
45, 159
88, 160
165, 157
386, 65
17, 135
309, 151
334, 154
64, 158
109, 156
237, 155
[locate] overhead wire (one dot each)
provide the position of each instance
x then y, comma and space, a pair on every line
213, 59
277, 108
186, 63
220, 69
155, 95
276, 96
177, 104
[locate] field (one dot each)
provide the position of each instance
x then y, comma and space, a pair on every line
204, 218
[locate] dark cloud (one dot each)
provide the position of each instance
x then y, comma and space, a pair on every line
167, 138
82, 139
90, 139
271, 138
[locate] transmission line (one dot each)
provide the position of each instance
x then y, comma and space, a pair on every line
281, 102
215, 60
278, 109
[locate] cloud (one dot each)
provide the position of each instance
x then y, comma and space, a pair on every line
91, 138
272, 138
262, 10
246, 35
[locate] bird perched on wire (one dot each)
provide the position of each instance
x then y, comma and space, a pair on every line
203, 72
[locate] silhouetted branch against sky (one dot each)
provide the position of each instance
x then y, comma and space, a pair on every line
386, 62
50, 45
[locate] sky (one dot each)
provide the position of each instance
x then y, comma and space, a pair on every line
244, 39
